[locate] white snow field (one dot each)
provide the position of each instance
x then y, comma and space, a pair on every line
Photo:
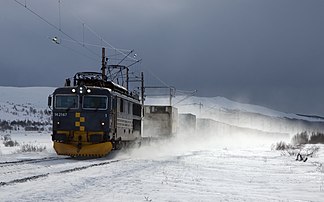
182, 169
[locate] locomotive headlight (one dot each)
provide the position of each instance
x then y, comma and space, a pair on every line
88, 91
73, 90
58, 123
102, 123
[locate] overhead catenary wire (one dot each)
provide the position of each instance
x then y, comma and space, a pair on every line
59, 42
134, 63
186, 97
83, 44
120, 51
126, 55
83, 34
94, 45
59, 12
103, 40
54, 26
156, 77
78, 52
186, 91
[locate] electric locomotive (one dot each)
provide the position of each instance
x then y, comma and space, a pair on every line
93, 116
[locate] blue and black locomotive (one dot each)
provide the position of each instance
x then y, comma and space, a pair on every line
92, 116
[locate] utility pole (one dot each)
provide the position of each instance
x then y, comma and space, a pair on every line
103, 64
200, 106
170, 98
142, 89
127, 78
142, 100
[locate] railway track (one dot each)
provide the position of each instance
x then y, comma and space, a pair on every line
59, 172
29, 161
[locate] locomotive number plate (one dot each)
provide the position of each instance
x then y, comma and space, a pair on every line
60, 114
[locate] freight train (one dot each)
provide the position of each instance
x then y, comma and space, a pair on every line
93, 116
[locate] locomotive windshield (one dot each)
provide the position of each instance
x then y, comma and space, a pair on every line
95, 102
66, 101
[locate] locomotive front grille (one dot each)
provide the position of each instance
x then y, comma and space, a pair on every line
80, 136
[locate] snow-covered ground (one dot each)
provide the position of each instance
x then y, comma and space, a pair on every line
23, 138
182, 169
214, 165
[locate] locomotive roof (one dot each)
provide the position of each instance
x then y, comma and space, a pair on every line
97, 79
94, 91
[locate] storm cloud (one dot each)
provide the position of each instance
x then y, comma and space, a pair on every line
266, 52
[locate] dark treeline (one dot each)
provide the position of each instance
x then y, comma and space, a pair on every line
308, 138
26, 125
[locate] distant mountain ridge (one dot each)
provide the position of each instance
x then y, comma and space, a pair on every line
311, 116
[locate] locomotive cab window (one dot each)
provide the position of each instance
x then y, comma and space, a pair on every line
95, 102
66, 102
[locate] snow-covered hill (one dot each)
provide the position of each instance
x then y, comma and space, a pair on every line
238, 114
208, 104
24, 103
24, 108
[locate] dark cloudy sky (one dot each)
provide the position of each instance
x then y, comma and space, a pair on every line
265, 52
